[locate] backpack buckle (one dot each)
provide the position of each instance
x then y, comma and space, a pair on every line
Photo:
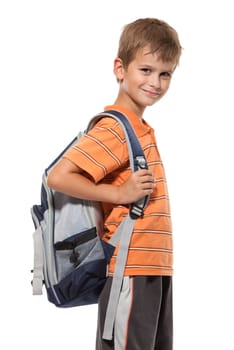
136, 211
140, 162
137, 208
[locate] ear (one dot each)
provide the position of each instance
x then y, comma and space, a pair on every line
118, 69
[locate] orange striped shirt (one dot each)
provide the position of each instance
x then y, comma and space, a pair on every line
103, 154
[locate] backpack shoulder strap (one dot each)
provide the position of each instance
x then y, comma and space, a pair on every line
136, 155
137, 161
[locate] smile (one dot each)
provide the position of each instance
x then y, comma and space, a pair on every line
152, 93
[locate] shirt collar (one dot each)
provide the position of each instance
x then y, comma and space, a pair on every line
140, 126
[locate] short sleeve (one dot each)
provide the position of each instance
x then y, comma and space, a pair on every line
101, 151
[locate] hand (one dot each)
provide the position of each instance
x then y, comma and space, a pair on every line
138, 185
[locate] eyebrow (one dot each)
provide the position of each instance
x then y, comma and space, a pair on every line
150, 66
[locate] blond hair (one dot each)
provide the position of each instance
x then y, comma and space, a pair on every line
158, 35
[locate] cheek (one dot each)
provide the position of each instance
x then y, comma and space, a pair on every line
165, 84
132, 83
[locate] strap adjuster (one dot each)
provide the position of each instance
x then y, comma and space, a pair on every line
136, 211
140, 162
137, 208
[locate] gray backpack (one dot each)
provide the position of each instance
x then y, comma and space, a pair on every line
70, 258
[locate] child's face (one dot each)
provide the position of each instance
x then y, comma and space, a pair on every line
146, 79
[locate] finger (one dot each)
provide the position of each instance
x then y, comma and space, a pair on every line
148, 185
148, 178
143, 172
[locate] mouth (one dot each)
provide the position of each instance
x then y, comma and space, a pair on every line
153, 94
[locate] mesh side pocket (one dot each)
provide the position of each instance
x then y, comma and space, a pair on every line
77, 250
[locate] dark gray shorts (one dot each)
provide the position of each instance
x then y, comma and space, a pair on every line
144, 318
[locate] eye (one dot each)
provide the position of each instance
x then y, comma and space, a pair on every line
166, 75
145, 70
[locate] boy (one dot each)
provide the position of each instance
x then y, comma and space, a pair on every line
97, 168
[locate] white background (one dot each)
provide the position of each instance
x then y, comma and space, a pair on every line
56, 72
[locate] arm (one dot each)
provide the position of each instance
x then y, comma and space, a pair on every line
66, 177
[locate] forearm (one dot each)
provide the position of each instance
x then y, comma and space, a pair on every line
67, 178
77, 185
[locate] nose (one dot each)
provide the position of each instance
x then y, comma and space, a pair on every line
155, 81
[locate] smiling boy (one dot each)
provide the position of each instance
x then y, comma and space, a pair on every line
97, 168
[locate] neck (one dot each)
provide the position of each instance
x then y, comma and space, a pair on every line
126, 102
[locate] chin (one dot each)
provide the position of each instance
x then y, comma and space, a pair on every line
151, 103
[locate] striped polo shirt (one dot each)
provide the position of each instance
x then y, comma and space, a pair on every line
103, 154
